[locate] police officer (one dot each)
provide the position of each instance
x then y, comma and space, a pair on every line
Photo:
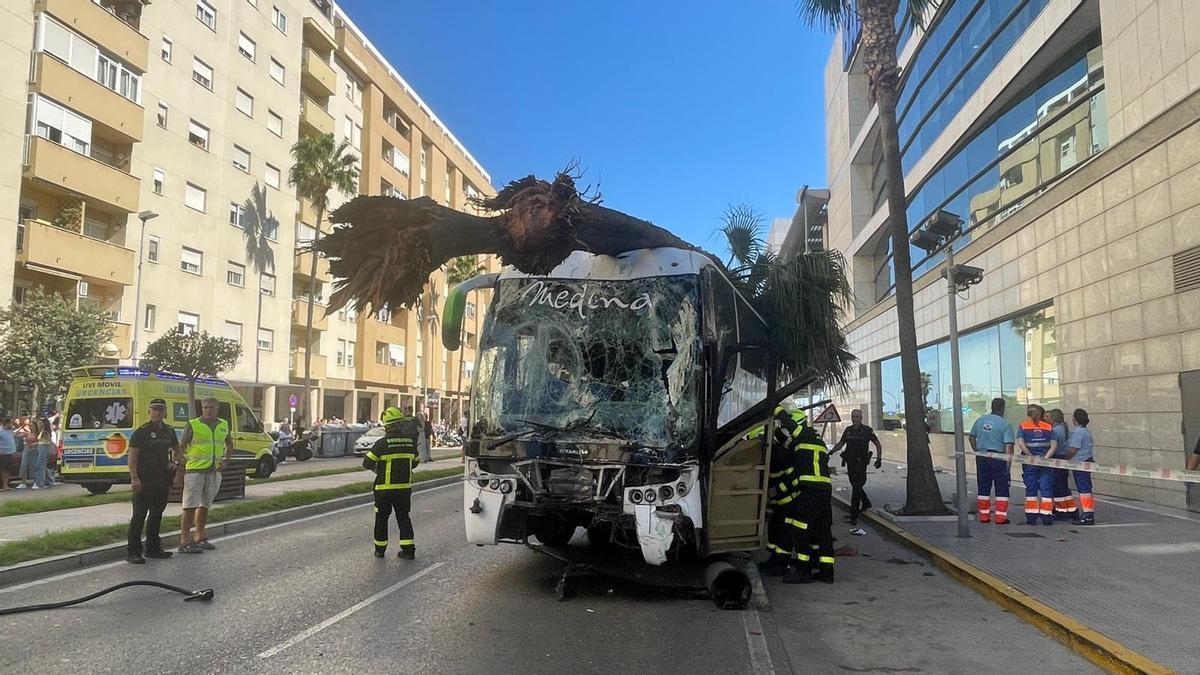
150, 470
393, 459
814, 512
857, 438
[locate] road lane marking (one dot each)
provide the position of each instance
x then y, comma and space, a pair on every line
122, 563
760, 656
347, 612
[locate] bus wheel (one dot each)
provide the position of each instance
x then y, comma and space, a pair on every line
98, 488
265, 468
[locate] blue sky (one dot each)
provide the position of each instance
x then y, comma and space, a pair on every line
676, 109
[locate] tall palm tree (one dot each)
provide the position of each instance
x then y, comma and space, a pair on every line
320, 164
258, 224
877, 43
803, 296
459, 270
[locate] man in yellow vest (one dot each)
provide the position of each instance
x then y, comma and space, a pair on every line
203, 451
393, 459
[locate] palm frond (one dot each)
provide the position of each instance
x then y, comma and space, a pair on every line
321, 164
831, 14
257, 224
742, 226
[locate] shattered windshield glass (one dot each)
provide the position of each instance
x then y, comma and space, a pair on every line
583, 359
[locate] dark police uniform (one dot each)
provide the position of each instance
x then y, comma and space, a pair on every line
393, 459
857, 455
155, 444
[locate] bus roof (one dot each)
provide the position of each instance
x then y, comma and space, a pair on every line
637, 264
115, 372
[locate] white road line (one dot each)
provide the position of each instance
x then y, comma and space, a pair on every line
119, 563
1142, 508
345, 613
760, 656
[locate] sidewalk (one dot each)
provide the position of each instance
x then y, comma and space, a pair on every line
14, 528
1131, 576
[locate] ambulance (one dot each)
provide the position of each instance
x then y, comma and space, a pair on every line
105, 404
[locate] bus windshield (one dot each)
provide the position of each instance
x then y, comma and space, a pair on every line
590, 359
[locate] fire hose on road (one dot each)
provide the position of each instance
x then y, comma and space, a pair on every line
203, 595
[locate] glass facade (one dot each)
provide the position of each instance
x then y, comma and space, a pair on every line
1016, 359
1049, 130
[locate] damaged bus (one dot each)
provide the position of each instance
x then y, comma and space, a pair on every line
615, 394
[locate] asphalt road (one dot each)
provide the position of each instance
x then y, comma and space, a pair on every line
309, 597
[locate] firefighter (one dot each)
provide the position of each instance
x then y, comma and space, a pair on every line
813, 523
393, 459
781, 492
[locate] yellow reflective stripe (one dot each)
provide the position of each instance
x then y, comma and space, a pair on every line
812, 446
387, 473
381, 544
371, 456
786, 500
406, 542
398, 455
803, 557
397, 486
786, 472
778, 409
828, 560
797, 523
815, 479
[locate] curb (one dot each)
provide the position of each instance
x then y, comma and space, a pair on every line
44, 567
1094, 646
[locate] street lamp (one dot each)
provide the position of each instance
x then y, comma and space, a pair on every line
939, 232
137, 284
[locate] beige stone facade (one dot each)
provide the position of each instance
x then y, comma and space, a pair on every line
1094, 240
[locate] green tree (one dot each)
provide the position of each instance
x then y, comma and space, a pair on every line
258, 227
801, 297
459, 270
878, 38
321, 165
193, 355
46, 336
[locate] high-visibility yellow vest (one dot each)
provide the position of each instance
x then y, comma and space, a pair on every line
207, 448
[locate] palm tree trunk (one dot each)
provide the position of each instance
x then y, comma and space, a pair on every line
308, 325
923, 497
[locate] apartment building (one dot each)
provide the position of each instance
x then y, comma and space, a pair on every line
1065, 135
156, 135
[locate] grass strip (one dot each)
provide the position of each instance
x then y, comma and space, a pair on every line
315, 473
78, 539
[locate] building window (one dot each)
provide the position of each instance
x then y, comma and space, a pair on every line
266, 283
206, 15
449, 184
468, 369
114, 75
202, 73
356, 136
236, 274
271, 176
56, 123
195, 197
241, 158
152, 249
470, 310
163, 113
160, 178
151, 315
279, 19
244, 103
188, 323
198, 135
274, 123
233, 332
165, 49
246, 46
350, 355
191, 260
266, 339
341, 352
236, 213
277, 71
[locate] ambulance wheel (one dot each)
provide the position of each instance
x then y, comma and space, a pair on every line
98, 488
265, 468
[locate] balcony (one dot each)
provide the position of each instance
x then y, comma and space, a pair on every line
317, 365
101, 27
302, 265
64, 169
122, 118
300, 315
122, 338
313, 118
316, 75
315, 34
95, 261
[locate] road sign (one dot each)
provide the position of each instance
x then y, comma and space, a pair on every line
828, 415
293, 400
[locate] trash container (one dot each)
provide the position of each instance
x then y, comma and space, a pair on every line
332, 442
353, 432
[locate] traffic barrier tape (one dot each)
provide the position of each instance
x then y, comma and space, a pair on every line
1159, 473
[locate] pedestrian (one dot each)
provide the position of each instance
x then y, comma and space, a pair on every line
1064, 499
1035, 437
8, 453
207, 446
25, 443
814, 511
284, 442
992, 433
151, 450
393, 459
857, 439
41, 445
1193, 460
1080, 449
426, 443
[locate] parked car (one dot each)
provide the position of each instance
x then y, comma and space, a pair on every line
364, 442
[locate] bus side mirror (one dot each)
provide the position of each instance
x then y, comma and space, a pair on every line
455, 307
